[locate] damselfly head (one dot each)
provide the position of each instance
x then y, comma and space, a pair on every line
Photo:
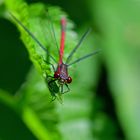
61, 74
64, 81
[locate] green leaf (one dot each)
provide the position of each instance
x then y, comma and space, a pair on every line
34, 105
39, 23
36, 108
7, 99
43, 37
2, 8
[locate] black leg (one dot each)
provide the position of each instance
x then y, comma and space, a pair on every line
61, 87
50, 64
68, 89
53, 98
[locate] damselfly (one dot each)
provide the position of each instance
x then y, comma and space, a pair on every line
61, 76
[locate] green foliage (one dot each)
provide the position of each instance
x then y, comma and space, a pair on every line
112, 113
32, 101
121, 30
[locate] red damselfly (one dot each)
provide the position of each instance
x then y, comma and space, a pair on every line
61, 76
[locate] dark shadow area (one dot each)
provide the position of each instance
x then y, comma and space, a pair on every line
10, 122
104, 105
14, 60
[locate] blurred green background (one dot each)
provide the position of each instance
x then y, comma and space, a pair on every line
104, 101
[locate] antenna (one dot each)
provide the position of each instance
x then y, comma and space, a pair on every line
84, 57
78, 45
33, 37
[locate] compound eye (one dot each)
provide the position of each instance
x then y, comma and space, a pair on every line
69, 80
56, 75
